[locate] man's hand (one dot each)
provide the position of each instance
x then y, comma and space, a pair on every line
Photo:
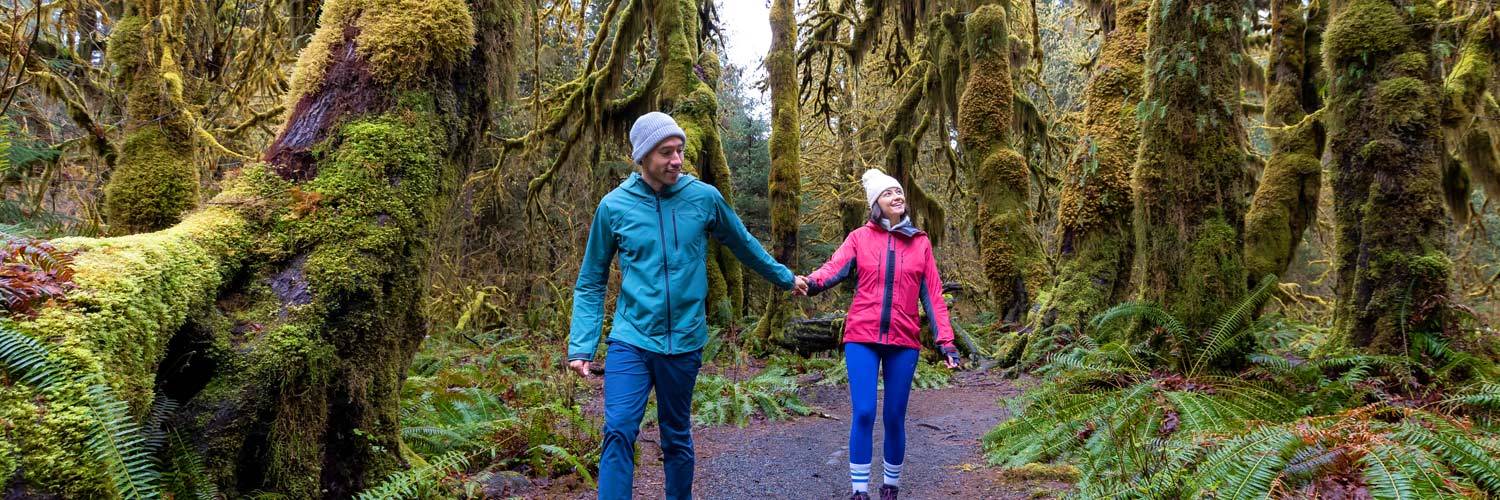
580, 366
799, 287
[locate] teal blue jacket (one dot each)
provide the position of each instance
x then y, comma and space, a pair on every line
660, 239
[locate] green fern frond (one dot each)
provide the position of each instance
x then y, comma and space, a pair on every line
26, 359
1230, 326
120, 444
414, 482
1148, 312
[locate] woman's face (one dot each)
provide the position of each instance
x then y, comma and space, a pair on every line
892, 204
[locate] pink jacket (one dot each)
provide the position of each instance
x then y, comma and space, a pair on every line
896, 272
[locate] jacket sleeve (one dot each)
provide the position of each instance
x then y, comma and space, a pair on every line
730, 231
839, 267
931, 294
588, 292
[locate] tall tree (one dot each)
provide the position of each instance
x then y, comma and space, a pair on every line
1286, 200
155, 179
1384, 151
1011, 255
1190, 180
1094, 213
786, 177
283, 315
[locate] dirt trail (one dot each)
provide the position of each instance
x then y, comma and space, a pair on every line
807, 457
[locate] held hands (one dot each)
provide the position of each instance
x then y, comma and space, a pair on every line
579, 366
799, 287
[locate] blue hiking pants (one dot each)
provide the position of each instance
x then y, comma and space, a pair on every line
897, 366
631, 374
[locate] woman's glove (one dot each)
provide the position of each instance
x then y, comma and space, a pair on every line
950, 356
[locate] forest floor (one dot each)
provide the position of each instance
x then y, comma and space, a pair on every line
807, 457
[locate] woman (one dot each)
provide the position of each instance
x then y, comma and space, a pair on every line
895, 271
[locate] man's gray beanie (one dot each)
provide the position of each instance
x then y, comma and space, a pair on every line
649, 130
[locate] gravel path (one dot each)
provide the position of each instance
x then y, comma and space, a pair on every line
807, 457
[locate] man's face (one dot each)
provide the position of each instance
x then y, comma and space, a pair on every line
663, 165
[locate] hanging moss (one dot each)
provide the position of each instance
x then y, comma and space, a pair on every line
1094, 207
1384, 143
1190, 180
1473, 71
1009, 252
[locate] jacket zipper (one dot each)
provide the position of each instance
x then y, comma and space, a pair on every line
675, 244
890, 278
666, 273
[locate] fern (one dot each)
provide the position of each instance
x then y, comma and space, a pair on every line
117, 441
188, 476
1229, 327
772, 394
417, 481
567, 457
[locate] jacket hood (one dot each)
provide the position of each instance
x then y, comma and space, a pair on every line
906, 230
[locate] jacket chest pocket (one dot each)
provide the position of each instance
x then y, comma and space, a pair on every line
685, 231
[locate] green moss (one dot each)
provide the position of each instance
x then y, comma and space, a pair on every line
1008, 250
400, 39
1189, 179
1362, 29
134, 293
153, 184
127, 43
1472, 72
1095, 202
1403, 101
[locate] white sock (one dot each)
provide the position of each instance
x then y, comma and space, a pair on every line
859, 477
892, 473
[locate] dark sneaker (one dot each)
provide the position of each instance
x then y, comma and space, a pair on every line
859, 495
888, 492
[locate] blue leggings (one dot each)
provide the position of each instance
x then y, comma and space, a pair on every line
900, 363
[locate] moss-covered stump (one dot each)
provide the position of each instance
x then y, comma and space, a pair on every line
1190, 179
155, 179
1286, 200
1009, 250
284, 315
1385, 110
1094, 211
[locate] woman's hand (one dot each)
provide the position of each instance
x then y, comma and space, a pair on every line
951, 359
799, 287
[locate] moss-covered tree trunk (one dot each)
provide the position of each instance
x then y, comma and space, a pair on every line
1094, 212
1384, 146
901, 137
1190, 180
786, 158
1010, 252
155, 178
283, 316
1286, 200
687, 93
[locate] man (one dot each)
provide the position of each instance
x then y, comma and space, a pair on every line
656, 221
